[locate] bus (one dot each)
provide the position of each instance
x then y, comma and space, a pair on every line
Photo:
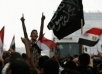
66, 47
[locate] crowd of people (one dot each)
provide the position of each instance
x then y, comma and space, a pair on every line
32, 62
13, 62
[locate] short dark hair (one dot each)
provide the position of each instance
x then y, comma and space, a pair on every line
70, 65
51, 66
33, 30
24, 56
19, 66
84, 59
14, 56
42, 59
70, 72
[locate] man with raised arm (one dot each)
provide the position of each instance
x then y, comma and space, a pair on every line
34, 36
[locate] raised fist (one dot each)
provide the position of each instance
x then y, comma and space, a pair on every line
43, 17
22, 18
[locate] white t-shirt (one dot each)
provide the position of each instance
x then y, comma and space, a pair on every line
60, 69
5, 68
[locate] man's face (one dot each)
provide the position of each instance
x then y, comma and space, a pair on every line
34, 35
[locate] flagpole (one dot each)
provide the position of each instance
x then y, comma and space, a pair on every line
82, 50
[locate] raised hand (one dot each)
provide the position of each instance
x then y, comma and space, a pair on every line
99, 53
22, 18
43, 17
92, 55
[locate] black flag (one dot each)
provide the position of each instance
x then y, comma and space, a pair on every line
67, 18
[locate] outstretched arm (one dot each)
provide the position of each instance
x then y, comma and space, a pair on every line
25, 41
24, 27
42, 25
